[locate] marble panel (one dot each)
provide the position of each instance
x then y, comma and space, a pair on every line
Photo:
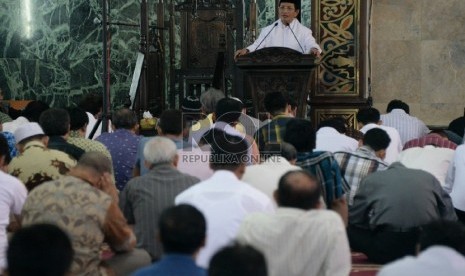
10, 32
47, 33
443, 71
396, 71
86, 75
45, 80
443, 20
121, 76
10, 77
396, 20
85, 30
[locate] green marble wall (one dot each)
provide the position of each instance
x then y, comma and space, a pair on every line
52, 50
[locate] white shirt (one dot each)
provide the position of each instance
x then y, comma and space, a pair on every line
296, 242
13, 125
13, 194
265, 176
329, 139
224, 200
395, 146
195, 161
282, 36
428, 158
435, 260
409, 127
455, 180
91, 124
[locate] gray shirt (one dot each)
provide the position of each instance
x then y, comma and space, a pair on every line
145, 197
400, 199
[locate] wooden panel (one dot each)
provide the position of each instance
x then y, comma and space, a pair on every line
349, 114
340, 85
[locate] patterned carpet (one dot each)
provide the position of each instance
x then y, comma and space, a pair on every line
362, 267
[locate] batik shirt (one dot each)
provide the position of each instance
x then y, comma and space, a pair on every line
37, 164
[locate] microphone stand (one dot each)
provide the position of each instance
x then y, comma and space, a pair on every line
106, 66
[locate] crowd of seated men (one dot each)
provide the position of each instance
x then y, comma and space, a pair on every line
218, 192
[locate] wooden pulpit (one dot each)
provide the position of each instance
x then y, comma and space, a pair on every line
277, 69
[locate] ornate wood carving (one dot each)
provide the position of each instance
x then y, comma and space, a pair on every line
206, 28
277, 69
340, 82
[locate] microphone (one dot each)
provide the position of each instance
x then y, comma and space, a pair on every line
275, 24
303, 52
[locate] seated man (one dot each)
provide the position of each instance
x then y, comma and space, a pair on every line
455, 182
37, 164
243, 260
30, 114
369, 118
227, 114
208, 100
398, 116
331, 137
170, 125
278, 160
182, 233
300, 238
40, 249
223, 198
78, 125
435, 160
12, 197
437, 138
56, 124
85, 204
355, 166
122, 144
301, 135
273, 132
441, 249
389, 209
145, 197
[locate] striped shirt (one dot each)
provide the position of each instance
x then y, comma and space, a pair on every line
431, 139
323, 165
272, 132
145, 197
409, 127
355, 166
299, 242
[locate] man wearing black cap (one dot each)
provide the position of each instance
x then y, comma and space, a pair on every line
287, 32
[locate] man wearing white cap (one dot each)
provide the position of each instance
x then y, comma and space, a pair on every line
37, 164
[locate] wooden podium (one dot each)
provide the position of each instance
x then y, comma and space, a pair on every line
277, 69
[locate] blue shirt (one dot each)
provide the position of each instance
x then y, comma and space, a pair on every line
323, 165
122, 145
173, 265
10, 139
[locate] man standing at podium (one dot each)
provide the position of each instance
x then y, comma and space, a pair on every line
287, 31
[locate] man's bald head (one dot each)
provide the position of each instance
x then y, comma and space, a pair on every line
298, 189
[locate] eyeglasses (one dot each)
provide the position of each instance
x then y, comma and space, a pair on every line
286, 9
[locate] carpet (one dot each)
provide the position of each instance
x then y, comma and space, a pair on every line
362, 267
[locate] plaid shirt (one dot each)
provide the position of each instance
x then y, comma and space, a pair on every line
431, 139
323, 165
272, 132
356, 166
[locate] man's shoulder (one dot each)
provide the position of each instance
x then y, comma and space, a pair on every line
187, 195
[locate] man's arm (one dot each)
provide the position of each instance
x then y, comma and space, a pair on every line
446, 209
117, 232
